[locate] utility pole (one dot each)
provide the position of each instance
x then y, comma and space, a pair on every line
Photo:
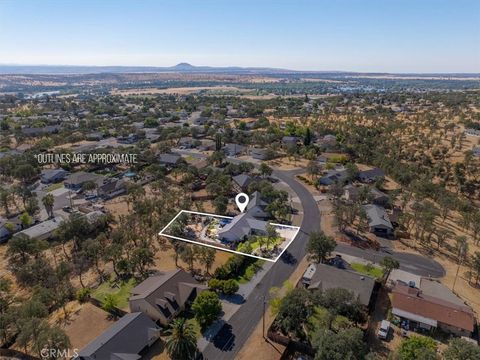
263, 317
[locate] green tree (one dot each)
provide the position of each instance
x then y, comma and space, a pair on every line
320, 246
220, 204
265, 170
459, 349
307, 139
207, 258
344, 345
206, 307
417, 348
388, 263
110, 304
181, 342
48, 201
26, 219
294, 310
272, 234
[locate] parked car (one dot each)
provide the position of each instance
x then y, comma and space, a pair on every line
384, 329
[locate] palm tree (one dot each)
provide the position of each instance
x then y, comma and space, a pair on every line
48, 201
181, 342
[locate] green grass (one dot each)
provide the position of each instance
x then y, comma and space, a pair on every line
371, 270
121, 292
250, 271
276, 241
54, 187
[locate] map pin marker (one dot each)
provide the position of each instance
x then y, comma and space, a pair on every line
242, 200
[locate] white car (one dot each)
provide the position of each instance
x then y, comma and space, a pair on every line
384, 329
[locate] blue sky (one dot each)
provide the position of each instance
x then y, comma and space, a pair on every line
354, 35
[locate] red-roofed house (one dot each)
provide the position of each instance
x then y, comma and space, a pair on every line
429, 312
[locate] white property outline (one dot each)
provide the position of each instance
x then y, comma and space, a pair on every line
221, 248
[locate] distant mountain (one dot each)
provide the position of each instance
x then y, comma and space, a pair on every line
182, 68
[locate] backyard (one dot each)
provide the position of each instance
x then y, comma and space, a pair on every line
367, 269
119, 290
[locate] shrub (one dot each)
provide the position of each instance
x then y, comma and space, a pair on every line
83, 295
230, 287
227, 287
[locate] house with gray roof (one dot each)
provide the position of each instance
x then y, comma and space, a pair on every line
472, 132
127, 339
290, 140
76, 180
8, 227
170, 159
378, 220
257, 207
370, 176
112, 188
331, 277
233, 149
334, 176
44, 230
49, 176
242, 181
261, 154
161, 297
241, 227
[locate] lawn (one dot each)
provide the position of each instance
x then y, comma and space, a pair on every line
120, 291
256, 244
54, 187
367, 269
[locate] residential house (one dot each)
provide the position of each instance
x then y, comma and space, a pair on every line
112, 188
233, 149
257, 207
352, 193
127, 339
37, 131
261, 154
327, 277
242, 226
328, 141
200, 120
76, 180
44, 230
50, 176
163, 296
426, 311
94, 136
206, 144
370, 176
170, 159
334, 176
290, 140
476, 151
9, 227
472, 132
130, 139
378, 221
242, 181
186, 143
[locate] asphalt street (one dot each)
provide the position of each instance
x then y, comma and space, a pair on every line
232, 336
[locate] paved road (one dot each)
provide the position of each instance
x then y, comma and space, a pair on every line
230, 339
